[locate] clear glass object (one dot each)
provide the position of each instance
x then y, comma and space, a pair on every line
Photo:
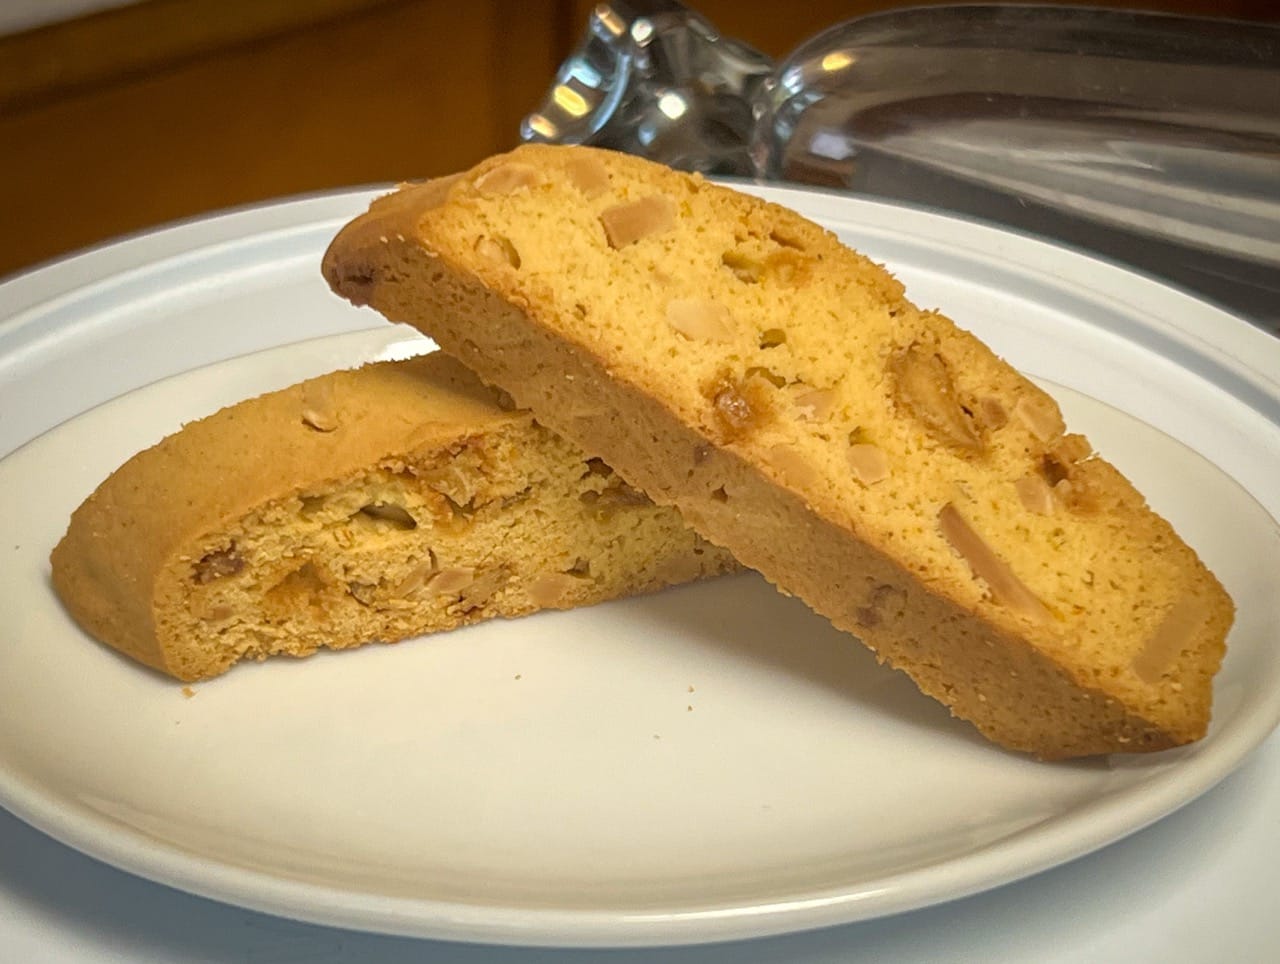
1150, 139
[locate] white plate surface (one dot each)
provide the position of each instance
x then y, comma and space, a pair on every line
712, 762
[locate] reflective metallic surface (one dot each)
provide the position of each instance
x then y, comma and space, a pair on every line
656, 79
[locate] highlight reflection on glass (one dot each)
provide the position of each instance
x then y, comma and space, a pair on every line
1150, 139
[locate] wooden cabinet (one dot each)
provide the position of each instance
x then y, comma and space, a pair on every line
213, 114
168, 108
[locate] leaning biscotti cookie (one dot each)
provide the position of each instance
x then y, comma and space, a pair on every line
732, 359
375, 504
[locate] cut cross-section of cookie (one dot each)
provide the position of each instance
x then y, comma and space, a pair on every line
421, 505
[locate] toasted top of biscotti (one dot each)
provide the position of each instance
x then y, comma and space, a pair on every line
589, 283
391, 500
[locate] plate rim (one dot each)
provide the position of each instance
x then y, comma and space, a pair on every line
393, 915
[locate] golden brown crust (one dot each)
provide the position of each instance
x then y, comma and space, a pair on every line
734, 360
361, 505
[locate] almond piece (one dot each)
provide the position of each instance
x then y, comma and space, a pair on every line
1034, 494
1079, 494
1179, 626
415, 579
499, 250
509, 177
550, 588
446, 582
990, 413
454, 483
1040, 414
868, 462
700, 319
923, 386
812, 404
319, 405
588, 175
625, 224
483, 588
1006, 588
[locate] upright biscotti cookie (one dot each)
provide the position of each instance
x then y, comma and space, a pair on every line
733, 359
375, 504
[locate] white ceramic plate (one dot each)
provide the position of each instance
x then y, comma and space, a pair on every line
708, 763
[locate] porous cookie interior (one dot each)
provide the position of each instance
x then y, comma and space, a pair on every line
499, 524
375, 504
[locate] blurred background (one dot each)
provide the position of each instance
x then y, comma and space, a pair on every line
116, 115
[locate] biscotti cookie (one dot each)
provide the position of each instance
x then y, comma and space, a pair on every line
374, 504
735, 360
